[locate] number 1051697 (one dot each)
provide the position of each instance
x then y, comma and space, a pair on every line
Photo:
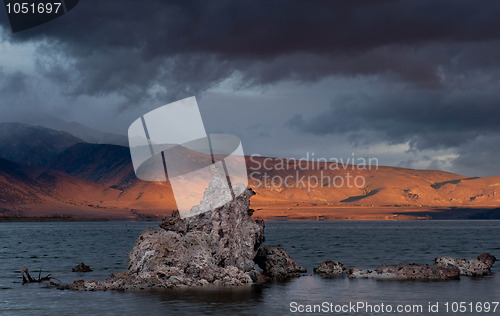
33, 8
471, 307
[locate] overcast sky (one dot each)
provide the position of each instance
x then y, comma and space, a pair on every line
412, 83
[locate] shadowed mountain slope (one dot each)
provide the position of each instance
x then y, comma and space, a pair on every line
32, 145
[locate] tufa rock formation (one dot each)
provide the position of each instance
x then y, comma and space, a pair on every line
475, 267
216, 191
81, 267
215, 247
277, 264
212, 247
330, 268
404, 271
444, 268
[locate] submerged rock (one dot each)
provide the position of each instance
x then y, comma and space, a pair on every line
277, 264
475, 267
81, 267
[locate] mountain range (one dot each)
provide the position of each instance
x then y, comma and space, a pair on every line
48, 172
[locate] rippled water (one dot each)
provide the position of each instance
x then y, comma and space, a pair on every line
104, 246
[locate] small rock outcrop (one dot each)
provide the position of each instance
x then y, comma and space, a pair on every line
476, 267
404, 271
277, 264
81, 267
444, 268
330, 268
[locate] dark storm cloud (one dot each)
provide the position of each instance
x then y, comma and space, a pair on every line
177, 48
428, 119
270, 27
438, 60
480, 157
12, 83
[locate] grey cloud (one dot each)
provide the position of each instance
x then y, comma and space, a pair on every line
178, 48
427, 119
13, 83
479, 157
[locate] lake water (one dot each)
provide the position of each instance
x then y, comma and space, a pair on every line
104, 246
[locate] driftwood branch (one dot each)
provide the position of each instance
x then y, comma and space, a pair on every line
27, 278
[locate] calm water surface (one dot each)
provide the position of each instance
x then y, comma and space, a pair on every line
59, 246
